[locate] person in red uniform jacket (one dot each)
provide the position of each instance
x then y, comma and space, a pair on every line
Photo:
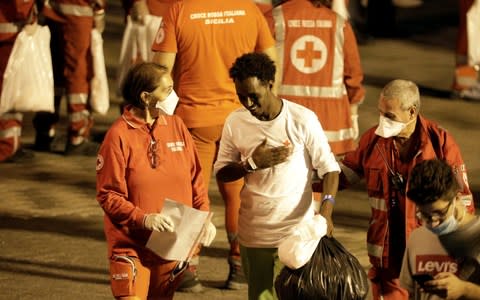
147, 156
199, 41
14, 15
71, 23
385, 157
320, 64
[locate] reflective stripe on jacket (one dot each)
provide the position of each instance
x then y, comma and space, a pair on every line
320, 65
13, 16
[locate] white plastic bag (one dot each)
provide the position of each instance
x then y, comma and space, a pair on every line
473, 33
339, 6
28, 78
296, 249
136, 46
99, 94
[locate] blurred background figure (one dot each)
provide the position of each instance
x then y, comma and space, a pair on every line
199, 40
142, 20
15, 16
71, 23
466, 83
319, 66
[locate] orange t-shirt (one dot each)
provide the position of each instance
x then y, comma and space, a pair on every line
207, 37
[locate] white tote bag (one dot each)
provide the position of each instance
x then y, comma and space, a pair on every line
473, 33
99, 94
28, 78
136, 45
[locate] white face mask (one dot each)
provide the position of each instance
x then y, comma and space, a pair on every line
168, 105
388, 127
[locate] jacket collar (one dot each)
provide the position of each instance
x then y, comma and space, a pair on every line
135, 122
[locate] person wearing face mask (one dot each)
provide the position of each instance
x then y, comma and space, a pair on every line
385, 157
147, 155
447, 246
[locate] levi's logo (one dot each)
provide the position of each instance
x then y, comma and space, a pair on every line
434, 264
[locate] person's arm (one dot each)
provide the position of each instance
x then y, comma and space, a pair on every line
472, 291
233, 171
330, 187
262, 157
139, 10
454, 287
166, 59
164, 45
112, 191
452, 155
324, 162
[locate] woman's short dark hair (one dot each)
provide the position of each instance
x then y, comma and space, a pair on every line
254, 64
431, 180
142, 77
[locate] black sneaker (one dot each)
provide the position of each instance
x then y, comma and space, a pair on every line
190, 282
86, 148
20, 156
236, 278
42, 143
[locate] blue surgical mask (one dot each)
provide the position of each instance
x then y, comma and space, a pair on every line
447, 226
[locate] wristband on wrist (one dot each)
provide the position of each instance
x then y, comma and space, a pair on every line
252, 164
249, 165
245, 166
329, 198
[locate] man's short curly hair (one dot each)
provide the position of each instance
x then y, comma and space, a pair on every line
431, 180
254, 64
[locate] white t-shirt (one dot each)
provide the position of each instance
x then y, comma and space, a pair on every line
276, 199
424, 254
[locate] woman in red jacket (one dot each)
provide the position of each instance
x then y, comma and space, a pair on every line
147, 156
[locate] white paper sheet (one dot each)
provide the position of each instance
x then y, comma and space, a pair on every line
189, 224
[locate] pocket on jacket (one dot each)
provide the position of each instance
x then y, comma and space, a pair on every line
122, 276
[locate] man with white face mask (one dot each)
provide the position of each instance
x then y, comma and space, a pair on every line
385, 157
445, 250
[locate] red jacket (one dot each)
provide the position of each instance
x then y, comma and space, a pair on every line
13, 15
368, 162
128, 187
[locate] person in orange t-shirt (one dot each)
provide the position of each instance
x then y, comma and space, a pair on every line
147, 156
199, 40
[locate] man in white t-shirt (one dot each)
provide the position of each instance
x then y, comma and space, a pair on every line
441, 257
275, 145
